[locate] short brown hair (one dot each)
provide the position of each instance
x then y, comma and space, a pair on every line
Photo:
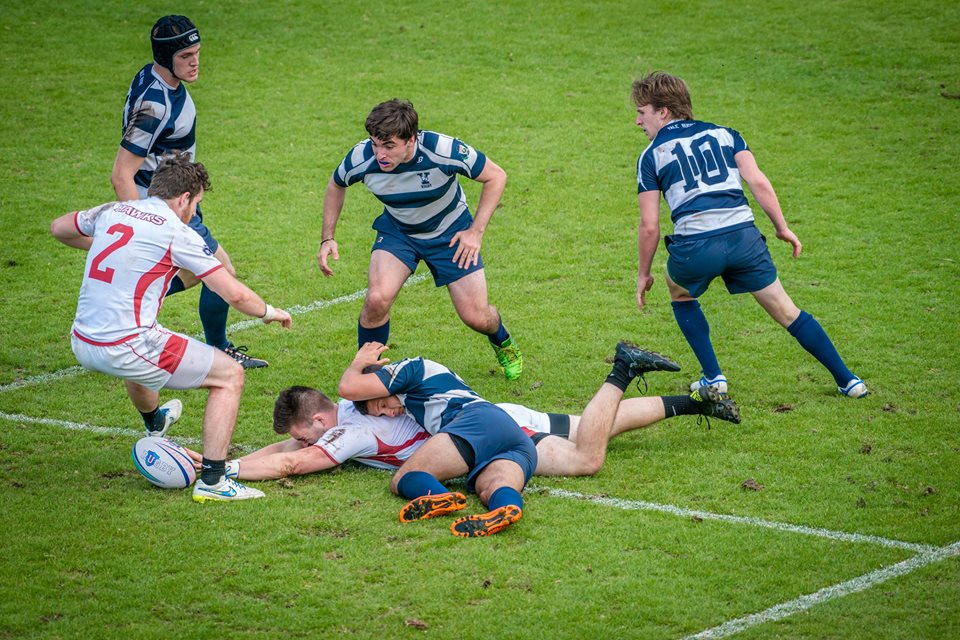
177, 174
659, 90
393, 118
297, 404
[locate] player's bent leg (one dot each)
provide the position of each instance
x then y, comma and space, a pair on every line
225, 381
385, 277
469, 297
499, 486
438, 456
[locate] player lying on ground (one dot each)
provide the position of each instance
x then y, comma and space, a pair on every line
134, 249
324, 434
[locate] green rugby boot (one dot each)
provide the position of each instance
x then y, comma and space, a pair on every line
510, 359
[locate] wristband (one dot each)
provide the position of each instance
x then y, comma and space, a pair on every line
269, 314
327, 240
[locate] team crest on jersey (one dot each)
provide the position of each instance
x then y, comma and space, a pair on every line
463, 151
424, 179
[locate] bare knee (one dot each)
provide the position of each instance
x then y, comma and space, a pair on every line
482, 319
376, 306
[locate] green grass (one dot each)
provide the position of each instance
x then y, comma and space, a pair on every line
843, 105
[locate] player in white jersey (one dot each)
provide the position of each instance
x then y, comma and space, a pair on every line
474, 437
324, 434
425, 217
698, 167
158, 117
134, 249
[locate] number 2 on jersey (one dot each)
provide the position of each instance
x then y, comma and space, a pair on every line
106, 275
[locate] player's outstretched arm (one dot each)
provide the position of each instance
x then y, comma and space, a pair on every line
494, 181
333, 200
243, 299
766, 197
648, 237
297, 462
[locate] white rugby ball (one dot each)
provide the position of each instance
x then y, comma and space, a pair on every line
163, 462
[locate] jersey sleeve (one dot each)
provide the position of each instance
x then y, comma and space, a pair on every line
400, 377
647, 172
144, 124
190, 252
453, 155
86, 221
739, 144
354, 166
474, 161
345, 443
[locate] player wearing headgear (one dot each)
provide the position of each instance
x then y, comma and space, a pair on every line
159, 116
425, 217
698, 166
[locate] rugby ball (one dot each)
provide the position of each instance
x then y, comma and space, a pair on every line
163, 462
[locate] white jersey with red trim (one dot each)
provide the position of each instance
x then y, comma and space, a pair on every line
138, 246
386, 443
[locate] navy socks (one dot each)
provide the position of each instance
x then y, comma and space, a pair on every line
815, 340
693, 324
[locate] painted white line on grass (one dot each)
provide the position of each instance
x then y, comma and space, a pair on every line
640, 505
295, 310
92, 428
854, 585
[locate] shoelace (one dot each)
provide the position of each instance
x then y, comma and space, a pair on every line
239, 352
640, 379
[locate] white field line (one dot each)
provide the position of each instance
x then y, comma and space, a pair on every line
926, 554
860, 583
295, 310
640, 505
110, 431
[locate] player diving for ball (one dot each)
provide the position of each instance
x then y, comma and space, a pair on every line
324, 434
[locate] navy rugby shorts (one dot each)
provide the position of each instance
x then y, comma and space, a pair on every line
493, 435
436, 252
739, 256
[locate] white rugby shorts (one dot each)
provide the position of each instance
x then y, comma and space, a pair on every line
155, 358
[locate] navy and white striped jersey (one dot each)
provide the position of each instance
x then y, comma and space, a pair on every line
423, 196
156, 119
431, 393
692, 163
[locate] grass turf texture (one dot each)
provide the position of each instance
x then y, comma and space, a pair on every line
851, 111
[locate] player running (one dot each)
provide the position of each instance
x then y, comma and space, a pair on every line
698, 167
425, 217
134, 249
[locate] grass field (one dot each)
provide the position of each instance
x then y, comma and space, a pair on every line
852, 109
